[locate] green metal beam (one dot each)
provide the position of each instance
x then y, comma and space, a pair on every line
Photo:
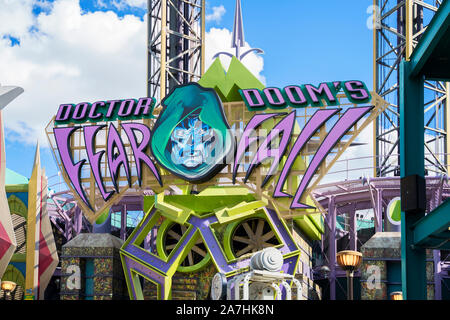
435, 33
432, 229
414, 282
416, 228
439, 242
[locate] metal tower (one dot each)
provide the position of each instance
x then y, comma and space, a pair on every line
399, 24
176, 44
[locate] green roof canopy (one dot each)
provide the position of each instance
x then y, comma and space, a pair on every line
12, 177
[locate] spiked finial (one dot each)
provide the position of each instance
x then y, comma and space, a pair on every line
237, 38
37, 157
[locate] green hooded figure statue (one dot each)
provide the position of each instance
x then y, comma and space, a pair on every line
191, 137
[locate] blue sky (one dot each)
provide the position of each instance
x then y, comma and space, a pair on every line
308, 41
303, 41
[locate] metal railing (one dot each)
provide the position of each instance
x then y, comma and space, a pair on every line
395, 169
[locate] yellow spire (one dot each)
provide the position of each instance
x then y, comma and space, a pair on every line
33, 229
37, 159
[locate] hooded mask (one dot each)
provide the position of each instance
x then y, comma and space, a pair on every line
191, 137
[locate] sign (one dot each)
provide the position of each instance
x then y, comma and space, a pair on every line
305, 95
192, 139
105, 111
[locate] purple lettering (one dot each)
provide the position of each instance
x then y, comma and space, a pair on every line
357, 90
62, 138
146, 104
130, 103
322, 89
112, 105
313, 124
94, 158
94, 109
139, 150
347, 120
269, 95
337, 85
115, 160
63, 109
302, 100
283, 128
246, 140
248, 95
80, 111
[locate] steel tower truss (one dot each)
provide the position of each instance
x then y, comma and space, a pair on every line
399, 24
176, 35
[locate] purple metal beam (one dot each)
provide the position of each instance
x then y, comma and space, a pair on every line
123, 222
78, 220
331, 216
55, 223
437, 275
378, 213
352, 228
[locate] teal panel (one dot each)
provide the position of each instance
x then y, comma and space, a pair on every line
12, 177
429, 56
428, 229
411, 163
446, 289
394, 277
89, 279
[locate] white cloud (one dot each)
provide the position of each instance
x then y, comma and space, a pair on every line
73, 58
137, 3
122, 4
101, 4
219, 40
15, 17
216, 15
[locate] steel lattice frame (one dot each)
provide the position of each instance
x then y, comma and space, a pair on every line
346, 198
176, 35
399, 25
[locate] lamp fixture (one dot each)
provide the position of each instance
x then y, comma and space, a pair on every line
350, 261
397, 295
8, 287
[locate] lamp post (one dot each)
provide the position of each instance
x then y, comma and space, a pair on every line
397, 295
350, 261
8, 287
325, 271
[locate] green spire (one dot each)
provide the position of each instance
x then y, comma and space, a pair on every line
228, 83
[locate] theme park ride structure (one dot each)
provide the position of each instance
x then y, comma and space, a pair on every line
346, 200
398, 27
237, 204
65, 215
174, 189
245, 198
175, 44
421, 231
